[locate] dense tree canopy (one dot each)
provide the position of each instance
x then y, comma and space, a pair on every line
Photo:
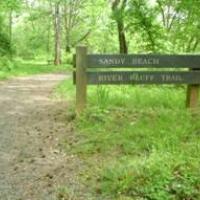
52, 28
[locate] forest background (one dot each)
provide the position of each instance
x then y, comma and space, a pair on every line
49, 30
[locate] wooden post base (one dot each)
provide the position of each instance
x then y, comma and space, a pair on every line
192, 96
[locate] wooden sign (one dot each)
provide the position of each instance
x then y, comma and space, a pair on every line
144, 61
141, 77
103, 74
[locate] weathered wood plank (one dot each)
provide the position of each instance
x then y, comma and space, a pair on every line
81, 78
148, 60
74, 69
192, 96
192, 99
143, 77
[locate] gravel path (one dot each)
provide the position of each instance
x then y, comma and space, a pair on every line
32, 167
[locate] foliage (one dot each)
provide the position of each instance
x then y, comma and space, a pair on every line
4, 44
156, 26
23, 68
4, 41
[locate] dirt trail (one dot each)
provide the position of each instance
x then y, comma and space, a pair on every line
32, 167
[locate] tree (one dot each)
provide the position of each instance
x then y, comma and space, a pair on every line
9, 7
5, 46
80, 18
57, 26
180, 20
118, 8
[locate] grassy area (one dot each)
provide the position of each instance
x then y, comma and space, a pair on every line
29, 68
139, 142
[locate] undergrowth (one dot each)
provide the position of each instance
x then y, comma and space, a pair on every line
23, 68
140, 143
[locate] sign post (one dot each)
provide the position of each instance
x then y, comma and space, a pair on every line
81, 78
192, 95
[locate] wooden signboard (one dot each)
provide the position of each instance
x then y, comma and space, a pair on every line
143, 61
96, 70
143, 77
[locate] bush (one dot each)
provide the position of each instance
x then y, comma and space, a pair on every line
68, 58
6, 64
5, 47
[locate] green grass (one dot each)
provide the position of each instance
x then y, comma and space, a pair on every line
139, 142
29, 68
65, 90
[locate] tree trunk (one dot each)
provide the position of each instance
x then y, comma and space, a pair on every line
10, 31
48, 46
57, 59
68, 48
122, 38
67, 19
123, 48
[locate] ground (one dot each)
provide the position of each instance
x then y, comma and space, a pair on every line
32, 165
110, 152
